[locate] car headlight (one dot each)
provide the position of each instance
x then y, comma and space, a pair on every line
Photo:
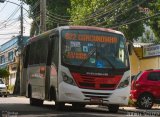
67, 79
124, 83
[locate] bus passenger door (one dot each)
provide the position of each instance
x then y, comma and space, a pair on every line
51, 82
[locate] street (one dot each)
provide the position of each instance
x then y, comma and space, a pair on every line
19, 106
80, 52
14, 106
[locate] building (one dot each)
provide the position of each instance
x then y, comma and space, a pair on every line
9, 53
144, 56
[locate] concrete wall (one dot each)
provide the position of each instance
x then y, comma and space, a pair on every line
143, 64
134, 63
150, 63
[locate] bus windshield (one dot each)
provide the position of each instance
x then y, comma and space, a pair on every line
92, 48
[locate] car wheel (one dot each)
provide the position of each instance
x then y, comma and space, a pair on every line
113, 108
5, 95
145, 101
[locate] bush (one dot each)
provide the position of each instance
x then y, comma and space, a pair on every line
10, 88
131, 103
4, 73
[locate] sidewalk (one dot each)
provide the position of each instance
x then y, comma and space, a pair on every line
134, 109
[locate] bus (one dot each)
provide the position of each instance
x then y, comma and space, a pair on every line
79, 65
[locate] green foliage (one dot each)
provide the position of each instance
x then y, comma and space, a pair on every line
82, 11
154, 22
55, 8
4, 73
131, 103
109, 14
10, 88
117, 14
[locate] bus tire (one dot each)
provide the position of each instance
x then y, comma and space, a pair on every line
52, 94
36, 102
113, 108
59, 105
33, 101
78, 105
29, 91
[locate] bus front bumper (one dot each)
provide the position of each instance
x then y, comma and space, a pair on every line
70, 94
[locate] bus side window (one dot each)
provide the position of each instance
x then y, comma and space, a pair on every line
43, 51
38, 52
32, 53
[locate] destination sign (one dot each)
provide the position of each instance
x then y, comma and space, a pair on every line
92, 38
76, 55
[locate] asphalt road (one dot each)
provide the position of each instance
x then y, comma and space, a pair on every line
18, 106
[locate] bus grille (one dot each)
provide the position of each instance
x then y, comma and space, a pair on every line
96, 95
96, 82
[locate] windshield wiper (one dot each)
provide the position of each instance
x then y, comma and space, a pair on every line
110, 63
88, 56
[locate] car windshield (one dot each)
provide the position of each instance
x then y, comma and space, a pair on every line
90, 48
137, 76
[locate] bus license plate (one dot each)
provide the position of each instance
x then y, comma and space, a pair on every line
96, 100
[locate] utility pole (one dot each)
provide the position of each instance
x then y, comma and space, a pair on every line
42, 16
21, 20
22, 81
19, 85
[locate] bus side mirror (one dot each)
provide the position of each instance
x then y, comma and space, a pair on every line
130, 49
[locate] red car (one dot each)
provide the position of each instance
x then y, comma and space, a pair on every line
145, 88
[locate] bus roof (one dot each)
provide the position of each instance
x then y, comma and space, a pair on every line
76, 27
92, 28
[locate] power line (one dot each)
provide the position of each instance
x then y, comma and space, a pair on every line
134, 21
3, 7
58, 19
110, 11
8, 33
101, 23
50, 19
13, 13
25, 10
109, 6
8, 25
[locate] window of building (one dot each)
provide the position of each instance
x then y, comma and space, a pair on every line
2, 59
10, 56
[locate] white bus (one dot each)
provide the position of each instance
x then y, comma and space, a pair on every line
79, 65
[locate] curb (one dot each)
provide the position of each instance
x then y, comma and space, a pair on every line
132, 111
144, 111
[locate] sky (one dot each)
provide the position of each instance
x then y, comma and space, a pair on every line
10, 20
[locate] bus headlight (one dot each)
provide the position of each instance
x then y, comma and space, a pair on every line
67, 79
124, 83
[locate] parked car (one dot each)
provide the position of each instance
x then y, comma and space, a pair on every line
145, 88
3, 89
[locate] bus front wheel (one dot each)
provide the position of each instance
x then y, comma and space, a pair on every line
113, 108
59, 105
78, 105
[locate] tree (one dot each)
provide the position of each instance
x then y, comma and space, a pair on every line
154, 7
4, 73
109, 14
116, 14
55, 9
